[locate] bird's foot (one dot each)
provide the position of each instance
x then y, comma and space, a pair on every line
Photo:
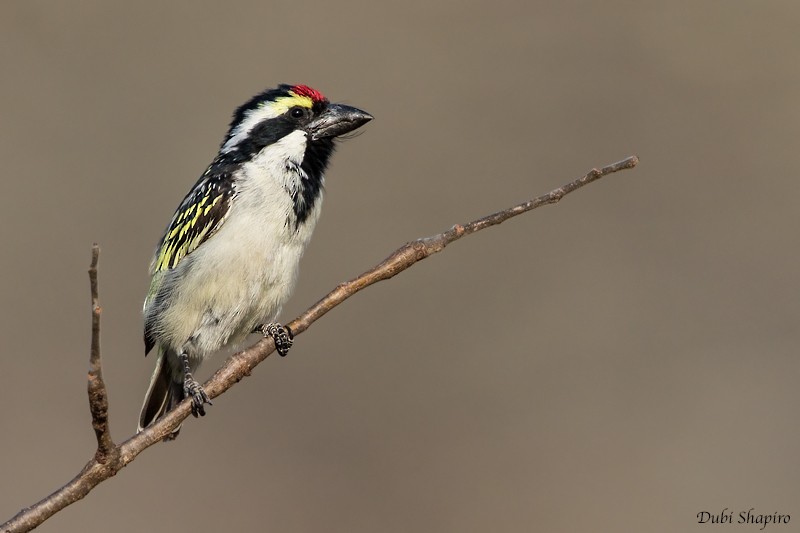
282, 336
192, 389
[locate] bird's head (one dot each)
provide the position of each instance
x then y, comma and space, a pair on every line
285, 136
272, 115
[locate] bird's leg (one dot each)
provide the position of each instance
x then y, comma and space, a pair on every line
192, 388
282, 336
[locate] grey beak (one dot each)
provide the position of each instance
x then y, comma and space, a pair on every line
337, 120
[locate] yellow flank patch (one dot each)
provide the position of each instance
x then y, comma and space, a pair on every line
283, 104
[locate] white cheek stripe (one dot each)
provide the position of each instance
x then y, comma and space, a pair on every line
252, 118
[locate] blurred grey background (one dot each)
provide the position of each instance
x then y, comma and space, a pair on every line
619, 362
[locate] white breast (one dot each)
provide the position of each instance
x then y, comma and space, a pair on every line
243, 274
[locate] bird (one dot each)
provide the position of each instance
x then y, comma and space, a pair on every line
228, 260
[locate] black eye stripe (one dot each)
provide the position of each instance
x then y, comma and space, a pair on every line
265, 133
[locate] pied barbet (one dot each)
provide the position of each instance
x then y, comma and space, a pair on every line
229, 258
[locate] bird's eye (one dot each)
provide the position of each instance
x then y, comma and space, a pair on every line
297, 112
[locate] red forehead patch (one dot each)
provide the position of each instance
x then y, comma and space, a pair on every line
305, 90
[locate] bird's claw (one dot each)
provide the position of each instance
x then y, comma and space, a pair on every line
192, 389
282, 336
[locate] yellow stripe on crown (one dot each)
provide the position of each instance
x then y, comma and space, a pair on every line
284, 103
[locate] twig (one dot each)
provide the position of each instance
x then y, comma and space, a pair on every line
98, 398
241, 364
106, 458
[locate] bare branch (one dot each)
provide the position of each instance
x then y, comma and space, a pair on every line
106, 459
415, 251
98, 398
109, 458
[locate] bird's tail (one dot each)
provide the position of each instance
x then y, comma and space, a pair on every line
165, 391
